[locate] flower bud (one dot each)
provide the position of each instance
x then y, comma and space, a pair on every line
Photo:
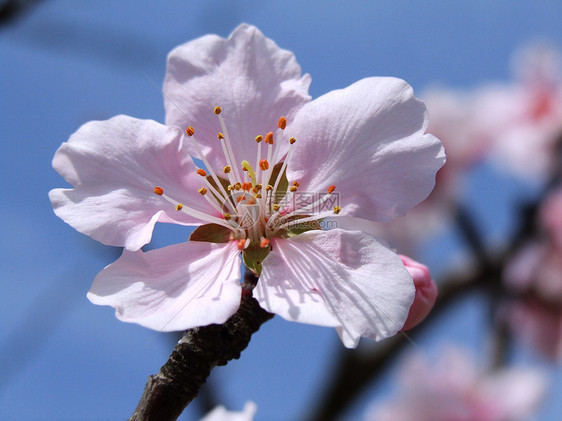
426, 292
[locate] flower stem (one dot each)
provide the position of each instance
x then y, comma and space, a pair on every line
167, 393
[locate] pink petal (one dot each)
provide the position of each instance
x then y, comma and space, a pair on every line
426, 292
247, 75
368, 140
173, 288
338, 278
114, 166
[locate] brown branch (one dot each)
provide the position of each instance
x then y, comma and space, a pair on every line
167, 393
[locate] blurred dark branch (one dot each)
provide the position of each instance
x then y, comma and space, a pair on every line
469, 230
167, 393
12, 10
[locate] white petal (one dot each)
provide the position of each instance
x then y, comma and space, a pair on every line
173, 288
114, 166
369, 141
344, 279
247, 75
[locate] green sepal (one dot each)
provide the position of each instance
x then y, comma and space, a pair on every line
297, 228
283, 183
253, 257
211, 233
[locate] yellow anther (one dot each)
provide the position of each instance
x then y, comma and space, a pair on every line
264, 243
226, 169
293, 188
264, 165
292, 140
269, 187
230, 187
227, 217
276, 207
179, 207
237, 186
189, 131
247, 167
202, 191
202, 172
217, 110
331, 189
258, 196
296, 184
337, 209
220, 136
269, 138
158, 190
259, 138
282, 123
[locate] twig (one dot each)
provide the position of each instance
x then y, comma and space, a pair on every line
167, 393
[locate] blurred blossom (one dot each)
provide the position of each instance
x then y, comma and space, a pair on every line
534, 276
518, 124
220, 413
426, 292
523, 119
454, 389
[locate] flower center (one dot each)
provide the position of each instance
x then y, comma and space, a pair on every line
256, 203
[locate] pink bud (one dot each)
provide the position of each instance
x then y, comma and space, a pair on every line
426, 292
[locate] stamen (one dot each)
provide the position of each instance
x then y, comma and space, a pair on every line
220, 136
200, 215
190, 131
269, 138
337, 209
259, 138
293, 188
331, 189
264, 165
227, 146
226, 169
202, 172
227, 217
282, 123
243, 243
292, 140
202, 191
158, 190
296, 184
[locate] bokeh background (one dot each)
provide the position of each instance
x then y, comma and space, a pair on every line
65, 62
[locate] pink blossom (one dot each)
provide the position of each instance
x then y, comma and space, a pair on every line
220, 413
534, 277
523, 119
272, 158
426, 292
455, 390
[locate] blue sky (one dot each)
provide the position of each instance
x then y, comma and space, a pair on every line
67, 62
